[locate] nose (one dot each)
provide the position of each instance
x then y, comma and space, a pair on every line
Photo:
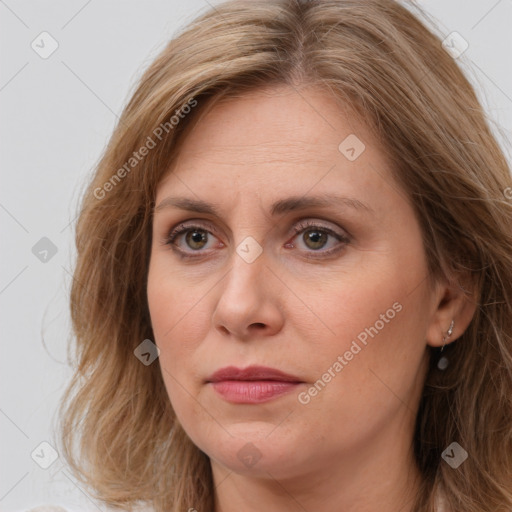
249, 302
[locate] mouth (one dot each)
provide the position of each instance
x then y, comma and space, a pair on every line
252, 385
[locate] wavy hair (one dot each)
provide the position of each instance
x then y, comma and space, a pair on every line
117, 429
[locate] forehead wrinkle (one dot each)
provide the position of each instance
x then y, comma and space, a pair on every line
262, 153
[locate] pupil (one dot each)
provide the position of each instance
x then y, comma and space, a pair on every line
196, 238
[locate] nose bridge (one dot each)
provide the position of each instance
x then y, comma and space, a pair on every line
244, 280
250, 229
246, 299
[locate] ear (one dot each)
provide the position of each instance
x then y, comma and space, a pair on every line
452, 303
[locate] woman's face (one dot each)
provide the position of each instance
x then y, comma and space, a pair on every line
308, 260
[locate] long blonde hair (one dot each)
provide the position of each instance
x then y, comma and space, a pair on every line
118, 431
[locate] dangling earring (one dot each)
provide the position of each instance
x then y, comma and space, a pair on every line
443, 362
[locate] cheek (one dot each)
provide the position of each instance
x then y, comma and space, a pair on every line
178, 322
173, 298
356, 304
167, 308
178, 307
362, 375
373, 318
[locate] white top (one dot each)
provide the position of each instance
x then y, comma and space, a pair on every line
48, 508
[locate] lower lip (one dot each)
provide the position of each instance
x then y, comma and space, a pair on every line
252, 392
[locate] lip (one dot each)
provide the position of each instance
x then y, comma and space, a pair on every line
252, 373
252, 385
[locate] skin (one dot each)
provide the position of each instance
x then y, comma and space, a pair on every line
350, 447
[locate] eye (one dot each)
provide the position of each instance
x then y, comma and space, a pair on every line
316, 237
193, 237
187, 239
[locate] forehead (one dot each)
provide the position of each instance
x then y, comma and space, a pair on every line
274, 141
281, 119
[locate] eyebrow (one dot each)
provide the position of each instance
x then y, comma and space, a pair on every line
290, 204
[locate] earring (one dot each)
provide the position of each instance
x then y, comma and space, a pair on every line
443, 362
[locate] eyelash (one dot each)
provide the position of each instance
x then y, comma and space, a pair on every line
297, 229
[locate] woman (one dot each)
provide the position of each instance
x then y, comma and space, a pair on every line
294, 278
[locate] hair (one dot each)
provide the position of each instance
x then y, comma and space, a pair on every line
118, 431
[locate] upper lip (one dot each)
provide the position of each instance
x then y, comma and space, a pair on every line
251, 373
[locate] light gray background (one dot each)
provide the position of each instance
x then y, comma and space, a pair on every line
56, 117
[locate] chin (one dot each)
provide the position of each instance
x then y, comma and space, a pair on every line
251, 454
